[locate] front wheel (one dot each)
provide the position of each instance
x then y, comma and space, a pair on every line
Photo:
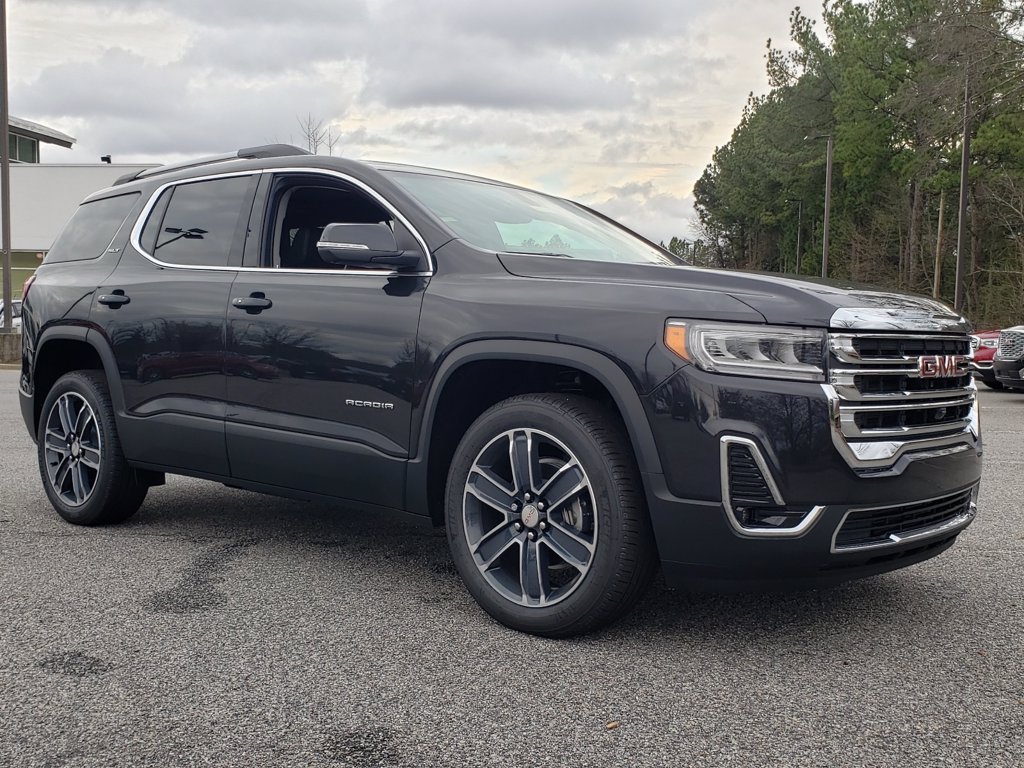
83, 470
545, 515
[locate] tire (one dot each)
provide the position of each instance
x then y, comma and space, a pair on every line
992, 384
584, 541
81, 464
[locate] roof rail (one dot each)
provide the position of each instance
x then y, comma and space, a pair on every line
248, 153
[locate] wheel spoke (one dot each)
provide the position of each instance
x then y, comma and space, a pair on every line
533, 572
67, 420
522, 453
489, 489
84, 420
494, 544
78, 483
60, 474
90, 457
56, 443
569, 546
568, 481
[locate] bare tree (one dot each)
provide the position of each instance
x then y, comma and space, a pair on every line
313, 132
316, 135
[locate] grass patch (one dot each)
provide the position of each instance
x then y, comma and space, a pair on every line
23, 265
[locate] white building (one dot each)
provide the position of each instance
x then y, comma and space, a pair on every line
43, 195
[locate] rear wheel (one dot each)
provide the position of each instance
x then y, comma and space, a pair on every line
83, 469
545, 515
992, 384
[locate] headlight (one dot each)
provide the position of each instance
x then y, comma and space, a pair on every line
990, 343
750, 350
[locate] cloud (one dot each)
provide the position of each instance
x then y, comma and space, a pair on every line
617, 104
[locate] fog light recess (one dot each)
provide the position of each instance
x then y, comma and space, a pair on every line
751, 497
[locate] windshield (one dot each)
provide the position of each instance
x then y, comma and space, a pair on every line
510, 220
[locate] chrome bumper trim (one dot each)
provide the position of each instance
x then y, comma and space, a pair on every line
957, 523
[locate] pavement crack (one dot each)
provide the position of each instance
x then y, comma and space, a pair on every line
197, 591
361, 747
73, 664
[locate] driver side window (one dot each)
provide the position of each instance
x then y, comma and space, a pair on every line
300, 210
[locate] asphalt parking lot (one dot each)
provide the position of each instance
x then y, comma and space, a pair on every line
223, 628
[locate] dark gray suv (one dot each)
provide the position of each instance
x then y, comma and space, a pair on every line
575, 404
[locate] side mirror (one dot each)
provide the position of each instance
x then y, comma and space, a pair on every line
364, 245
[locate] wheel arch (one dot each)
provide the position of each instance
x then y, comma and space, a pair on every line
600, 370
67, 348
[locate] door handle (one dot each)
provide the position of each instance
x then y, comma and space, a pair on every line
114, 299
253, 304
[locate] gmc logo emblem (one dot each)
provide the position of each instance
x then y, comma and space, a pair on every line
935, 366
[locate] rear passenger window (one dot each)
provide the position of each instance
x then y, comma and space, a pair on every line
91, 229
196, 224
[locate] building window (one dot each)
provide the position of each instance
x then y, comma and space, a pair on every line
23, 149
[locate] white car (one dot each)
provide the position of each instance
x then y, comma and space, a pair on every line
16, 316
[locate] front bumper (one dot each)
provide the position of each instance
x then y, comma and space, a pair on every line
1010, 373
984, 370
700, 550
788, 426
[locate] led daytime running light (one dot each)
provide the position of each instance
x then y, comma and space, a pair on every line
750, 350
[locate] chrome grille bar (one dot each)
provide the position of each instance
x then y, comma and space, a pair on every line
844, 347
887, 402
850, 428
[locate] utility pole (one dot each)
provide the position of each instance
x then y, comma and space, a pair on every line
5, 176
961, 227
937, 284
799, 230
828, 199
828, 207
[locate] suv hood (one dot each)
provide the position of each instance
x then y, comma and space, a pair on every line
810, 302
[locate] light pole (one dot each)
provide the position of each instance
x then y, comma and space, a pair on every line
828, 199
5, 176
799, 229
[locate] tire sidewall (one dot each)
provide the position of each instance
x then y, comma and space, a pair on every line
588, 595
89, 512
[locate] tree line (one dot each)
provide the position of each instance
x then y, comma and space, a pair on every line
898, 85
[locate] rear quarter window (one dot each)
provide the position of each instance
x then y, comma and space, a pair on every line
91, 230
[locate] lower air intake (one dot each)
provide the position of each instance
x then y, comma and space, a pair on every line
866, 528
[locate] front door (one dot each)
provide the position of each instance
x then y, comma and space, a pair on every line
319, 358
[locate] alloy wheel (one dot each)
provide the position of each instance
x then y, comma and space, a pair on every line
72, 447
530, 518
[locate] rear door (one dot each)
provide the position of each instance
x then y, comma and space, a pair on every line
163, 311
320, 358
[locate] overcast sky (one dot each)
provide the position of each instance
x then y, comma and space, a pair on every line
616, 104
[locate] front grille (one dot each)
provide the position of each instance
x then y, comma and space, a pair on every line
1011, 345
868, 384
889, 347
890, 525
921, 417
886, 392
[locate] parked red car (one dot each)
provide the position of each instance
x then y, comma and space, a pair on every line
984, 345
